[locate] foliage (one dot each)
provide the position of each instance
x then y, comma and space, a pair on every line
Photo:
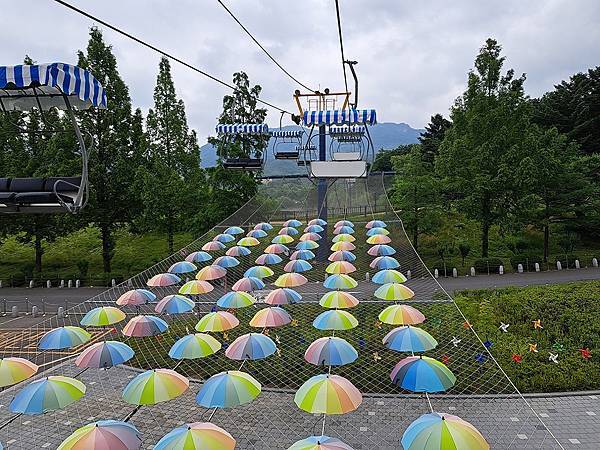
384, 159
487, 265
433, 136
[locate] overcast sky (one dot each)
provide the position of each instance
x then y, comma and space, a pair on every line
413, 55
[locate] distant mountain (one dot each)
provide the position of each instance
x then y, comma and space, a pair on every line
385, 136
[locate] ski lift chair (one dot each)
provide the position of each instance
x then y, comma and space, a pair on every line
347, 143
229, 132
284, 139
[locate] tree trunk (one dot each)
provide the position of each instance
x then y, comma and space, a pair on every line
106, 247
39, 251
546, 234
485, 225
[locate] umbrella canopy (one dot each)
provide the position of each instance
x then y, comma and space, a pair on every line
213, 272
388, 276
314, 229
377, 230
282, 239
258, 234
103, 435
343, 230
335, 319
409, 339
268, 259
234, 230
290, 280
14, 370
213, 246
228, 389
226, 261
330, 351
163, 280
292, 223
297, 266
379, 239
238, 250
103, 355
277, 249
344, 238
183, 267
263, 226
259, 272
236, 299
401, 315
47, 394
198, 257
338, 299
320, 222
224, 238
434, 431
248, 284
282, 296
342, 255
270, 318
375, 224
248, 242
251, 346
328, 394
306, 245
422, 374
381, 250
196, 436
174, 304
291, 231
340, 281
337, 267
306, 255
193, 346
196, 287
384, 262
343, 223
217, 321
102, 316
64, 337
310, 237
348, 246
319, 443
394, 291
136, 297
155, 386
141, 326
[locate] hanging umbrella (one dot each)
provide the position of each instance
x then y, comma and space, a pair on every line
320, 222
155, 386
183, 267
226, 262
258, 234
434, 431
271, 317
291, 231
213, 272
335, 319
141, 326
388, 276
14, 370
198, 257
394, 291
263, 226
136, 297
213, 246
379, 239
314, 229
338, 299
307, 245
297, 266
248, 242
422, 374
310, 237
375, 224
102, 316
340, 281
306, 255
401, 315
251, 346
328, 394
268, 259
103, 355
196, 287
282, 239
194, 346
282, 296
330, 351
340, 267
223, 238
343, 230
292, 223
259, 272
47, 394
163, 280
236, 299
344, 238
381, 250
348, 246
174, 304
234, 230
409, 339
238, 250
228, 389
277, 249
196, 436
342, 255
343, 223
384, 262
103, 435
377, 230
290, 280
217, 321
319, 443
248, 284
64, 337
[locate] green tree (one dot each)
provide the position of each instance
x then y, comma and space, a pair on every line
383, 159
433, 136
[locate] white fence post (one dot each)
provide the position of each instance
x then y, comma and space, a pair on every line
501, 269
577, 265
454, 273
558, 265
520, 268
594, 262
48, 284
31, 284
537, 267
436, 273
472, 271
77, 283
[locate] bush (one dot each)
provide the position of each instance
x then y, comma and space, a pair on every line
83, 266
483, 265
567, 261
528, 260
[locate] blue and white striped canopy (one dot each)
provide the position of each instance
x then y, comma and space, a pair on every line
287, 133
243, 128
345, 129
49, 82
340, 117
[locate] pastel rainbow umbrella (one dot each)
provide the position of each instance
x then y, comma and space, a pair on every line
174, 304
223, 238
258, 234
409, 339
307, 245
292, 223
388, 276
136, 297
193, 346
103, 355
196, 287
183, 267
213, 272
271, 317
314, 229
343, 223
259, 272
343, 230
298, 266
310, 237
142, 326
13, 370
401, 315
435, 431
342, 255
375, 224
163, 280
319, 443
302, 254
340, 281
248, 242
377, 230
236, 299
196, 436
265, 226
394, 291
277, 249
103, 435
348, 246
238, 250
335, 319
319, 222
282, 239
384, 262
379, 239
422, 374
251, 346
291, 231
228, 389
344, 238
248, 284
282, 296
330, 351
338, 267
47, 394
217, 322
290, 280
64, 337
226, 261
198, 257
213, 246
155, 386
102, 316
268, 259
328, 394
338, 299
381, 250
234, 230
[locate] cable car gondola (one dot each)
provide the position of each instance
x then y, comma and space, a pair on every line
284, 139
230, 133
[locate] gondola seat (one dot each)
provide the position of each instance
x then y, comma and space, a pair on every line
17, 192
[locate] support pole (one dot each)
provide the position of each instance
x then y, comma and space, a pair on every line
322, 192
